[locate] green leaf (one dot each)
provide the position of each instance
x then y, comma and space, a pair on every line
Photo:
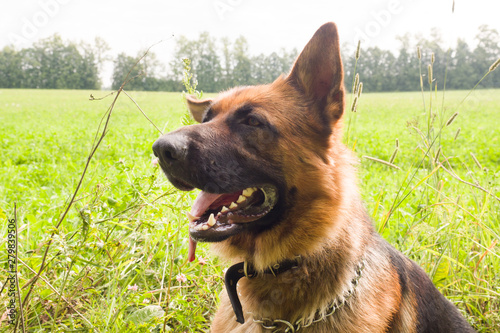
85, 215
112, 201
442, 272
31, 218
146, 314
45, 293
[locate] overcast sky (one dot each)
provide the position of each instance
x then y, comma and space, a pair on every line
268, 25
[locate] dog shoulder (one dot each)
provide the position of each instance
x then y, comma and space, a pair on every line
422, 305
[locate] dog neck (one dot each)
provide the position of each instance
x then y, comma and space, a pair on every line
245, 269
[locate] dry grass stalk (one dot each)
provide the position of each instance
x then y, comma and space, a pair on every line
354, 104
59, 294
452, 118
495, 65
382, 162
429, 70
436, 158
393, 157
356, 82
479, 187
476, 161
358, 50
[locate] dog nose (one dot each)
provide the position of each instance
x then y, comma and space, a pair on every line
171, 148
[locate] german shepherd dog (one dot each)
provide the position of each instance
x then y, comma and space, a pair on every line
279, 199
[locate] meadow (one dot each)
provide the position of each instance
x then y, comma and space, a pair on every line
117, 261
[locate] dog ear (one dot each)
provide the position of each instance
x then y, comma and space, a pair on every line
318, 71
197, 107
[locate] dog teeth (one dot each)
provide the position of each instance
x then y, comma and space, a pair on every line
242, 198
191, 217
203, 226
211, 220
249, 191
200, 227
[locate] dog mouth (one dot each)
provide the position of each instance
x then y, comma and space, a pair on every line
216, 217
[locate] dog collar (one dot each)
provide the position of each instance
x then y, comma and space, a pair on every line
278, 325
246, 269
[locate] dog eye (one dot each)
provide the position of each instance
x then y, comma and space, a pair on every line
252, 121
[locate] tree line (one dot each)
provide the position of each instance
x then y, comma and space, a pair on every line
52, 64
218, 64
459, 67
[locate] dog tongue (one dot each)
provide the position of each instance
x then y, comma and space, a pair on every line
200, 205
192, 249
202, 202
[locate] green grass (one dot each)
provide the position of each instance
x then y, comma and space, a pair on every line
127, 228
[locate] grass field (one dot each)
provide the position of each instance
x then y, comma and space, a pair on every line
117, 263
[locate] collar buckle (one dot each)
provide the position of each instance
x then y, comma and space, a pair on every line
246, 269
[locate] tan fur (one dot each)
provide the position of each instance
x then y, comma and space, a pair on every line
326, 224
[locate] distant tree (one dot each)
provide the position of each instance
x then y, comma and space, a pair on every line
205, 62
406, 68
208, 69
376, 70
348, 61
89, 73
266, 68
431, 46
11, 72
227, 64
97, 54
150, 64
262, 68
242, 71
153, 76
101, 51
184, 48
147, 74
219, 66
461, 71
54, 64
288, 59
485, 54
125, 65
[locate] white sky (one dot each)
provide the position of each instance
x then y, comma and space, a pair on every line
268, 25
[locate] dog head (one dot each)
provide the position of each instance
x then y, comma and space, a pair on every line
267, 158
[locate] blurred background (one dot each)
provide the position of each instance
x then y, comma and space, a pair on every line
238, 41
429, 165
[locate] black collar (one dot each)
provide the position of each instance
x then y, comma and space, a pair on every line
245, 269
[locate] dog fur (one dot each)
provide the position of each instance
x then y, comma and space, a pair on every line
320, 215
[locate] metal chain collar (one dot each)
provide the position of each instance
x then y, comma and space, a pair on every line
280, 325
